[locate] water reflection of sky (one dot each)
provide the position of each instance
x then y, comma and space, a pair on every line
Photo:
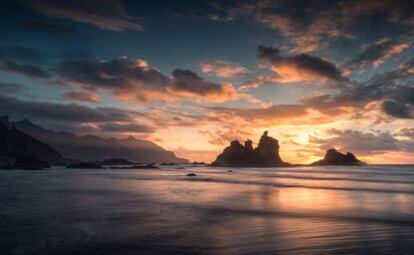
217, 212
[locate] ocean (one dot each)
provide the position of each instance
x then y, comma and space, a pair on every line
298, 210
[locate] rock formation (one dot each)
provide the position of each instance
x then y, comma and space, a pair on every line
84, 165
15, 144
266, 154
335, 158
113, 162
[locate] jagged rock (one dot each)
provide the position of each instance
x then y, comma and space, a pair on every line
15, 144
148, 166
334, 157
266, 154
84, 165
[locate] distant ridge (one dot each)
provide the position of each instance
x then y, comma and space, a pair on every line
91, 148
15, 144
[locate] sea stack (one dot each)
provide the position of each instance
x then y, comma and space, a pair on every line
266, 154
335, 158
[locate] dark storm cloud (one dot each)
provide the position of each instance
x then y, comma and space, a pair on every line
60, 112
308, 67
397, 109
134, 79
108, 15
54, 29
129, 127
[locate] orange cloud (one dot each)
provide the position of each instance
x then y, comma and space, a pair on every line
81, 96
223, 69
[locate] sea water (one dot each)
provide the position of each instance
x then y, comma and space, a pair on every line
299, 210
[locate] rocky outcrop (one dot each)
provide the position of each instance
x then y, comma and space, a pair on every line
15, 144
84, 165
266, 154
335, 158
113, 162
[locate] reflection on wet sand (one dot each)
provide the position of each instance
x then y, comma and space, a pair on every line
247, 211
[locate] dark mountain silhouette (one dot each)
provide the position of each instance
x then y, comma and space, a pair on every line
266, 154
334, 157
89, 147
15, 144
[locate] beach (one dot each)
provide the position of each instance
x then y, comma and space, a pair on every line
300, 210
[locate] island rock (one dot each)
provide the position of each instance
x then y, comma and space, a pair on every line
335, 158
266, 154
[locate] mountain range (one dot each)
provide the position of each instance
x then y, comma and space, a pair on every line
15, 144
90, 147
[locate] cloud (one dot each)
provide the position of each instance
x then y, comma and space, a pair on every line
222, 69
299, 68
309, 26
62, 112
189, 82
18, 59
134, 79
377, 53
81, 96
397, 109
24, 69
53, 29
10, 88
107, 15
356, 141
261, 117
20, 54
129, 127
223, 137
406, 132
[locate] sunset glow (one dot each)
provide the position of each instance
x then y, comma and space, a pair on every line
195, 77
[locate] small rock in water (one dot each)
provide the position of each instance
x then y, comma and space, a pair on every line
191, 174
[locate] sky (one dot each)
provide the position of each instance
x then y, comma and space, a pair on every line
192, 76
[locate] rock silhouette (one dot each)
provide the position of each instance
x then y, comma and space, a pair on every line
84, 165
334, 157
15, 144
93, 148
30, 163
266, 154
113, 162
